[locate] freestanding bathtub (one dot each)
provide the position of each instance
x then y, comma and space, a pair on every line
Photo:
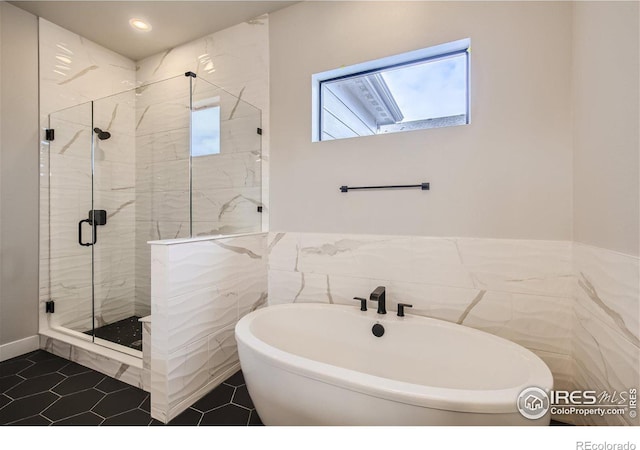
311, 364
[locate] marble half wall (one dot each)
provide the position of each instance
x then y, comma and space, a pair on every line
200, 288
520, 290
606, 342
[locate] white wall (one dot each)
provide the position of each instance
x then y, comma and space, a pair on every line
506, 175
605, 125
18, 174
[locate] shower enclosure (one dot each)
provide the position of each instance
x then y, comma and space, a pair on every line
173, 159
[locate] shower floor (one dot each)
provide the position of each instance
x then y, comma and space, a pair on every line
127, 332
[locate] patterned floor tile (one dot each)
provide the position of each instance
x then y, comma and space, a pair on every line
226, 415
35, 385
77, 383
32, 421
188, 417
86, 418
72, 404
134, 417
119, 402
43, 368
242, 398
9, 382
40, 388
214, 399
27, 407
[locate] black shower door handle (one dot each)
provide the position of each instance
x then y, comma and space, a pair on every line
88, 244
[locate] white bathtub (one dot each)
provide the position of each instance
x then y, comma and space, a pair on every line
310, 364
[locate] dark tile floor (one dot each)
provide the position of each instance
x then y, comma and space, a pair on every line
40, 388
127, 332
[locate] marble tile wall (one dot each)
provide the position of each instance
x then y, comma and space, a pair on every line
237, 60
226, 186
129, 372
574, 305
162, 174
200, 289
520, 290
74, 71
606, 315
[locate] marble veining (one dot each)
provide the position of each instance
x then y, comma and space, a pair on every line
200, 289
606, 348
592, 294
231, 204
241, 250
78, 75
162, 58
233, 110
473, 303
574, 305
71, 142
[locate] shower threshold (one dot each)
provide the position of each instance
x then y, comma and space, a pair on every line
126, 332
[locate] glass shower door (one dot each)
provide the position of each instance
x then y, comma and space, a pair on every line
70, 234
141, 189
114, 196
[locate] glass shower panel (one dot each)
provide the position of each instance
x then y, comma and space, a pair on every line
162, 174
70, 202
114, 199
141, 182
226, 162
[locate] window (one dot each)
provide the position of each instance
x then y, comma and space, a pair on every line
205, 131
425, 88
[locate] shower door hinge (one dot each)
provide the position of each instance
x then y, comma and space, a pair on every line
49, 134
190, 74
259, 131
259, 209
49, 307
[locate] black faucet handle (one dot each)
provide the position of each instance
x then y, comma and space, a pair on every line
363, 303
401, 307
378, 292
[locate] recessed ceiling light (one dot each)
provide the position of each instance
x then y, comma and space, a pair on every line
140, 24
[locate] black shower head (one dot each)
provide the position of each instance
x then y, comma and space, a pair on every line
102, 135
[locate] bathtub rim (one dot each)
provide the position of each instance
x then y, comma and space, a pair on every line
497, 401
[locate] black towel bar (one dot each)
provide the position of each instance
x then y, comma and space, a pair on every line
423, 186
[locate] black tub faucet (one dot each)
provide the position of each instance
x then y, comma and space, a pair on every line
378, 295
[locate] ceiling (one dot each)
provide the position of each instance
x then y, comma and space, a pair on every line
173, 22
